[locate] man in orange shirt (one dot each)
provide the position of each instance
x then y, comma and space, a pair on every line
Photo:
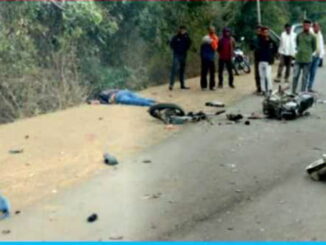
208, 57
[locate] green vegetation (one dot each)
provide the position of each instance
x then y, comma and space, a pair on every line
54, 54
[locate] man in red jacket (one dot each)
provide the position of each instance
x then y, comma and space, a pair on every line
225, 49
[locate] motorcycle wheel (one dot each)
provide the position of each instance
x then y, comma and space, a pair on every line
246, 67
164, 111
236, 69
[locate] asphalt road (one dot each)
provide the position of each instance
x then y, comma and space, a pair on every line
209, 182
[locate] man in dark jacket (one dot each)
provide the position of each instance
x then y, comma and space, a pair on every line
180, 44
225, 49
266, 52
254, 47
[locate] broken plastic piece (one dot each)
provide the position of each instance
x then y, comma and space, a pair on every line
317, 169
109, 159
215, 104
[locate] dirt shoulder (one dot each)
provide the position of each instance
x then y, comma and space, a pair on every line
65, 148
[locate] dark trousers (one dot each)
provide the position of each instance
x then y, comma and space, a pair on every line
178, 66
207, 66
284, 61
228, 64
257, 76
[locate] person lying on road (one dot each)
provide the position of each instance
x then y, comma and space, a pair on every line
124, 97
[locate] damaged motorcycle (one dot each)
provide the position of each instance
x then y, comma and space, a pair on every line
281, 105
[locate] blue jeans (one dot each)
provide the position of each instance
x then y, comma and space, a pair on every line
298, 67
127, 97
313, 70
178, 66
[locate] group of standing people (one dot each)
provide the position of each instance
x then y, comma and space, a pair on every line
307, 48
211, 45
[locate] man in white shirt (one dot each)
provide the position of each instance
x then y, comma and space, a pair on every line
317, 56
287, 52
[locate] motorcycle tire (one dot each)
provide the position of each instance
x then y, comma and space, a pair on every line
246, 67
164, 111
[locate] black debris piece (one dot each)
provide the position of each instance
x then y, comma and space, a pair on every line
16, 151
219, 112
247, 123
6, 232
215, 104
234, 117
92, 218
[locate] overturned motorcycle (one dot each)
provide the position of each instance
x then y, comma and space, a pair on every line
173, 114
281, 105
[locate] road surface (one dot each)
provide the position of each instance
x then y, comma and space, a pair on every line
209, 182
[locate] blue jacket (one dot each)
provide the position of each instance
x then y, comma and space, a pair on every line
207, 52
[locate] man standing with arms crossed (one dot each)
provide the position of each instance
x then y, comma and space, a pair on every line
287, 52
306, 46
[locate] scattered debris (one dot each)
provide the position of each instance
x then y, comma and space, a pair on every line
100, 118
234, 117
109, 159
16, 151
147, 161
6, 232
215, 104
219, 112
92, 218
238, 190
247, 123
321, 101
153, 196
17, 212
26, 137
116, 237
4, 207
317, 169
230, 228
